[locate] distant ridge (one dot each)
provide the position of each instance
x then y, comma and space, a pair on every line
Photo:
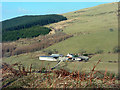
28, 26
29, 21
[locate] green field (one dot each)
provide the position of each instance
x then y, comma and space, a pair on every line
32, 58
103, 40
91, 30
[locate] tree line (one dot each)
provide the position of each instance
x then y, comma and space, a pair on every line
25, 33
29, 21
28, 26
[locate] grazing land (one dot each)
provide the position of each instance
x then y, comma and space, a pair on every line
93, 28
32, 58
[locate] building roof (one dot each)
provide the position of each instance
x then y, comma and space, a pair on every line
46, 56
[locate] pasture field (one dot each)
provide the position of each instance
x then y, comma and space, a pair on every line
103, 40
93, 28
32, 58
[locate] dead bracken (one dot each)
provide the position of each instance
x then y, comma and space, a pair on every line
27, 78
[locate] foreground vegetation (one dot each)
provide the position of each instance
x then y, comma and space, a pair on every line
27, 78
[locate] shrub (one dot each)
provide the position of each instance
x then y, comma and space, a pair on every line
99, 51
55, 51
49, 52
116, 49
111, 30
7, 49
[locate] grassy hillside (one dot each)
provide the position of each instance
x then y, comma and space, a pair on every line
93, 28
103, 40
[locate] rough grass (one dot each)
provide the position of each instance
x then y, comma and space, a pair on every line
91, 29
27, 78
103, 40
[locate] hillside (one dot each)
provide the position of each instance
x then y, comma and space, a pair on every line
28, 26
93, 28
92, 31
31, 32
29, 21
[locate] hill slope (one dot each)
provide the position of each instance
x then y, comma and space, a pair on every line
93, 28
31, 32
28, 26
29, 21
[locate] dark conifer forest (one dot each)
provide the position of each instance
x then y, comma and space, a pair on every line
25, 33
28, 26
